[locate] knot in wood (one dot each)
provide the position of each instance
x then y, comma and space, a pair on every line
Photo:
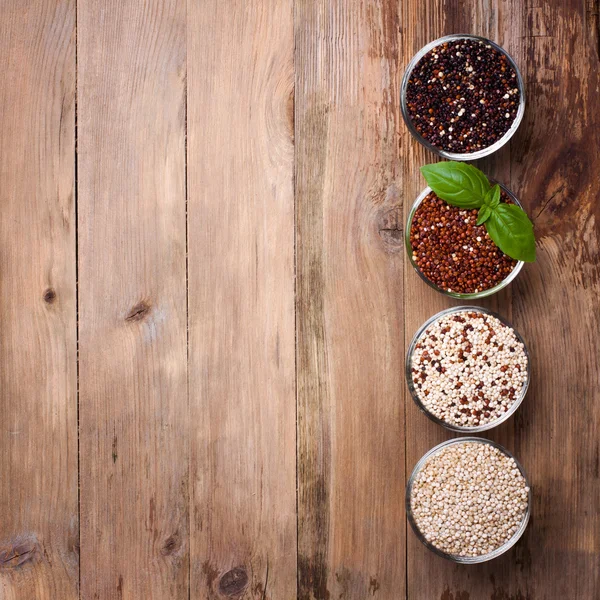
138, 312
390, 229
49, 296
171, 545
234, 582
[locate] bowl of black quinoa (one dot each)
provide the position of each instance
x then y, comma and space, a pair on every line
462, 97
453, 254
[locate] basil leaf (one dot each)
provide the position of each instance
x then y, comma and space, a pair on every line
484, 214
492, 197
457, 183
512, 231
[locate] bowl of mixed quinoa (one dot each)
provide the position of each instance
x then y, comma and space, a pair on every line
467, 369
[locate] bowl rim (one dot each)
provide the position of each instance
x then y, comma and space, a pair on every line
455, 557
460, 296
413, 392
461, 156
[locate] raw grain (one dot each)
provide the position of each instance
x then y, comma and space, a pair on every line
463, 96
468, 368
469, 499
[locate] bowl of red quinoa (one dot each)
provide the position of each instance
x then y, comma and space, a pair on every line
451, 253
468, 500
462, 97
467, 369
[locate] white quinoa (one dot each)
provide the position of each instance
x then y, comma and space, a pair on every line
469, 499
468, 368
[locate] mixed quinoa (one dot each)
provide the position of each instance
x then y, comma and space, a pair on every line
468, 368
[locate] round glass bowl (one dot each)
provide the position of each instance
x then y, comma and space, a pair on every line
453, 557
481, 294
411, 386
460, 155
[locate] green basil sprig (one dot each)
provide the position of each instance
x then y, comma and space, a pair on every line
463, 185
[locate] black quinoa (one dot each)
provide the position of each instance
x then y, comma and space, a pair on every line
463, 96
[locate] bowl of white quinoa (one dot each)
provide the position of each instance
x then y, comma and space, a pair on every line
467, 369
468, 500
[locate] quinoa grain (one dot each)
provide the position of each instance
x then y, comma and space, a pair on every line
452, 251
469, 499
458, 77
468, 368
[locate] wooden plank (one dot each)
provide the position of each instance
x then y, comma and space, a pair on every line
38, 332
555, 169
132, 299
241, 298
558, 555
350, 347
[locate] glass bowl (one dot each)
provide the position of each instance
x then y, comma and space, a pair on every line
475, 295
453, 557
461, 155
413, 392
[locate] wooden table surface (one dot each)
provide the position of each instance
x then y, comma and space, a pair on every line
205, 301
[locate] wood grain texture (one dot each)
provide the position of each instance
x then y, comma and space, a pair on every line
351, 524
241, 299
244, 302
555, 169
38, 333
550, 165
132, 299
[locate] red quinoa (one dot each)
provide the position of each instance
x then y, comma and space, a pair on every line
454, 253
463, 96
